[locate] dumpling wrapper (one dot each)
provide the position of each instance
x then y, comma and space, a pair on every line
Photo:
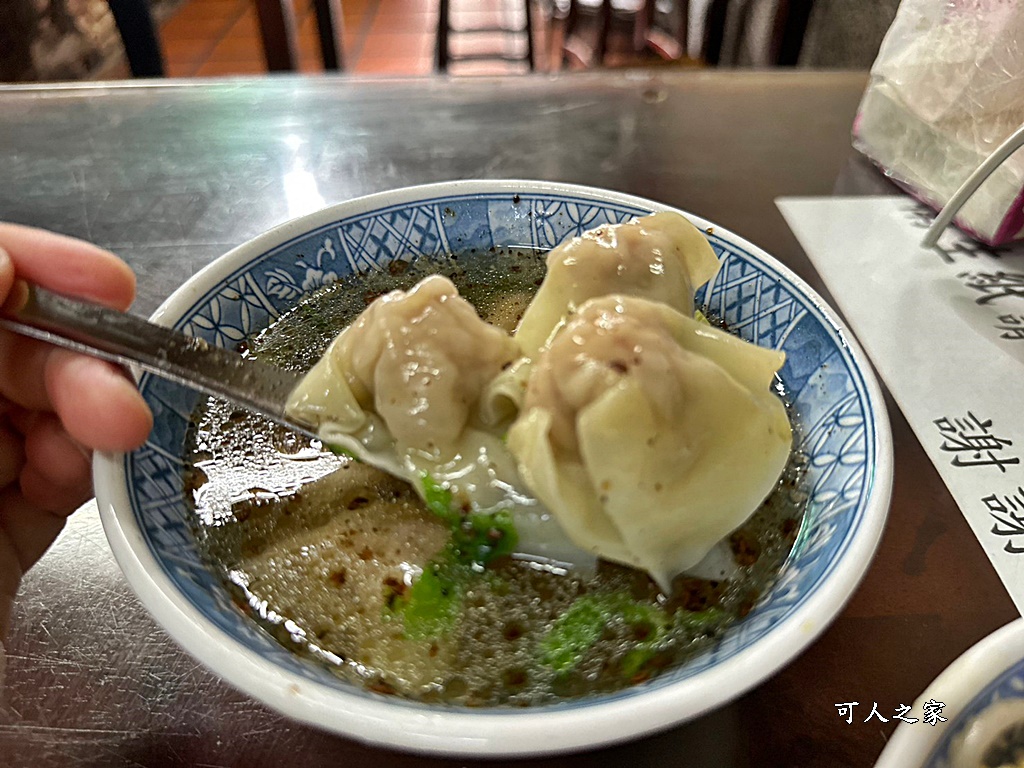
661, 257
650, 435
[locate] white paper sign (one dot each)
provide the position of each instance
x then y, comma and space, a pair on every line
945, 330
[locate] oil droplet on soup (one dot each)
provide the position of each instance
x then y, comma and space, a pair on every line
346, 566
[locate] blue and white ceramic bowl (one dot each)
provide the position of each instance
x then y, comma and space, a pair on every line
844, 426
982, 694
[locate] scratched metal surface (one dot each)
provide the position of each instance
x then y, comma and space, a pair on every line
172, 175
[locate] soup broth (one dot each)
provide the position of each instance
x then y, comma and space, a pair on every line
347, 566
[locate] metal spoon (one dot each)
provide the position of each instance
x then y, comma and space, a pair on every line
123, 338
119, 337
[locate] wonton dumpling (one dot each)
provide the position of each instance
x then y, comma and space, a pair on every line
649, 435
416, 361
407, 388
661, 257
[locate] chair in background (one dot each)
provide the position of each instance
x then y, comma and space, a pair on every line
606, 32
755, 32
277, 30
731, 32
138, 34
444, 56
846, 34
842, 34
790, 30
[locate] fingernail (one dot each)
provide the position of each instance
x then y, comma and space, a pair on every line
6, 274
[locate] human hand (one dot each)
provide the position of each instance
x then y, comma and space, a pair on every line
56, 407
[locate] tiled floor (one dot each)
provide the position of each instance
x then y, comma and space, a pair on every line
206, 38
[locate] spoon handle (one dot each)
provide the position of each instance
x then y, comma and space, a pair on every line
123, 338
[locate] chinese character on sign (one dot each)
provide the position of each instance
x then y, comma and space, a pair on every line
973, 443
1012, 327
876, 713
846, 710
972, 248
933, 712
919, 216
1008, 512
964, 247
901, 714
950, 245
994, 285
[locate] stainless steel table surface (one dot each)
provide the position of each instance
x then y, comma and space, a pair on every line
172, 174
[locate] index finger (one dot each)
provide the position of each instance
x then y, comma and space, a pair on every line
66, 265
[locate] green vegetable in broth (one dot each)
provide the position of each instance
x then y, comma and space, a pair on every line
573, 634
477, 537
432, 606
